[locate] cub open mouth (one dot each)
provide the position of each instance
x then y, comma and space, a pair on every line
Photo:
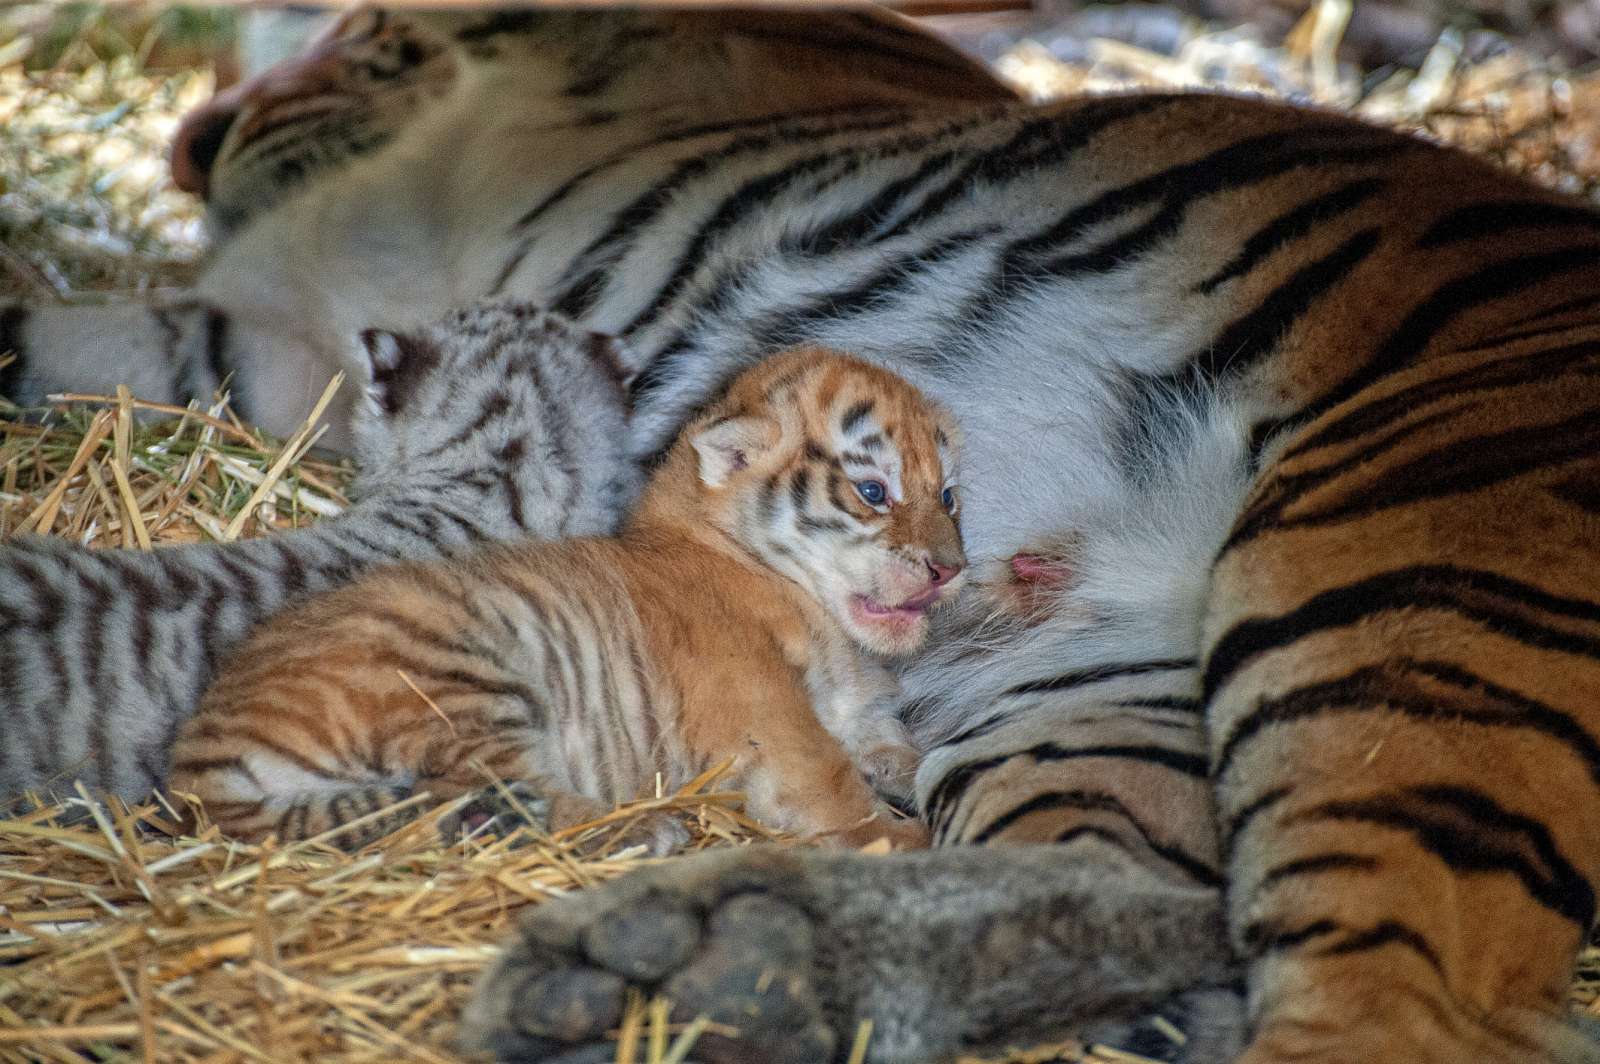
915, 606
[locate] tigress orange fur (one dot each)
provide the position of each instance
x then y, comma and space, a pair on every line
797, 533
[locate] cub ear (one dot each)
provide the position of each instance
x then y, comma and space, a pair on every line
729, 445
611, 356
399, 362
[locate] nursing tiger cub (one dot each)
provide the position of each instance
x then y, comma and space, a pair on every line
1307, 409
800, 530
104, 653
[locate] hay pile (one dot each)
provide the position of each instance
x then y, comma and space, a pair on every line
125, 944
120, 942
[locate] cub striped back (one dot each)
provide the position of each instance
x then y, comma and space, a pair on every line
466, 434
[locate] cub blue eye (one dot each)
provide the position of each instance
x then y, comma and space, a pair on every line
872, 492
949, 498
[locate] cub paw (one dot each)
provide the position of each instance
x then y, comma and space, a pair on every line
660, 833
891, 770
498, 810
885, 825
502, 810
719, 947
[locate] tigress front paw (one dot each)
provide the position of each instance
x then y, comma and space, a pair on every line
793, 949
728, 951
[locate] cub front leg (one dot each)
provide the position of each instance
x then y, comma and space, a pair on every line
945, 952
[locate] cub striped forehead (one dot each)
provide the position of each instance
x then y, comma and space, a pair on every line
872, 420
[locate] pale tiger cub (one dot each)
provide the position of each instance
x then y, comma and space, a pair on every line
798, 532
464, 434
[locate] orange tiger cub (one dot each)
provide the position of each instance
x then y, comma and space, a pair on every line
798, 534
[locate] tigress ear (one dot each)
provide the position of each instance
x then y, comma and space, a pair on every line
729, 445
398, 362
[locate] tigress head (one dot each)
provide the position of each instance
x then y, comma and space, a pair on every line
510, 400
838, 475
421, 82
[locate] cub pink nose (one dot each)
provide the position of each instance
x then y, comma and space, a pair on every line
940, 575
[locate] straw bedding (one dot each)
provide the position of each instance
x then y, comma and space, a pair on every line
122, 941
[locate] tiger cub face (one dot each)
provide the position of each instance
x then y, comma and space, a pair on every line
521, 397
840, 476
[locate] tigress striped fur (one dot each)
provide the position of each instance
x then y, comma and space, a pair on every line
1302, 410
466, 433
799, 527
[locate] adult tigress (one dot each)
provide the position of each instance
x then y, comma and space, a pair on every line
1304, 415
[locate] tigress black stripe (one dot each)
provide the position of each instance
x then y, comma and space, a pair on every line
1505, 277
565, 190
1386, 933
1261, 938
1471, 832
216, 326
1495, 601
1307, 866
1264, 512
578, 294
782, 328
1392, 688
1566, 306
1167, 221
1099, 673
858, 224
1582, 491
1090, 831
13, 322
1039, 142
946, 797
1461, 466
1493, 376
1506, 339
1100, 801
1291, 226
1173, 702
1238, 164
1495, 218
752, 195
1248, 339
1247, 814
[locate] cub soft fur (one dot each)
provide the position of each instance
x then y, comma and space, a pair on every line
467, 432
797, 535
